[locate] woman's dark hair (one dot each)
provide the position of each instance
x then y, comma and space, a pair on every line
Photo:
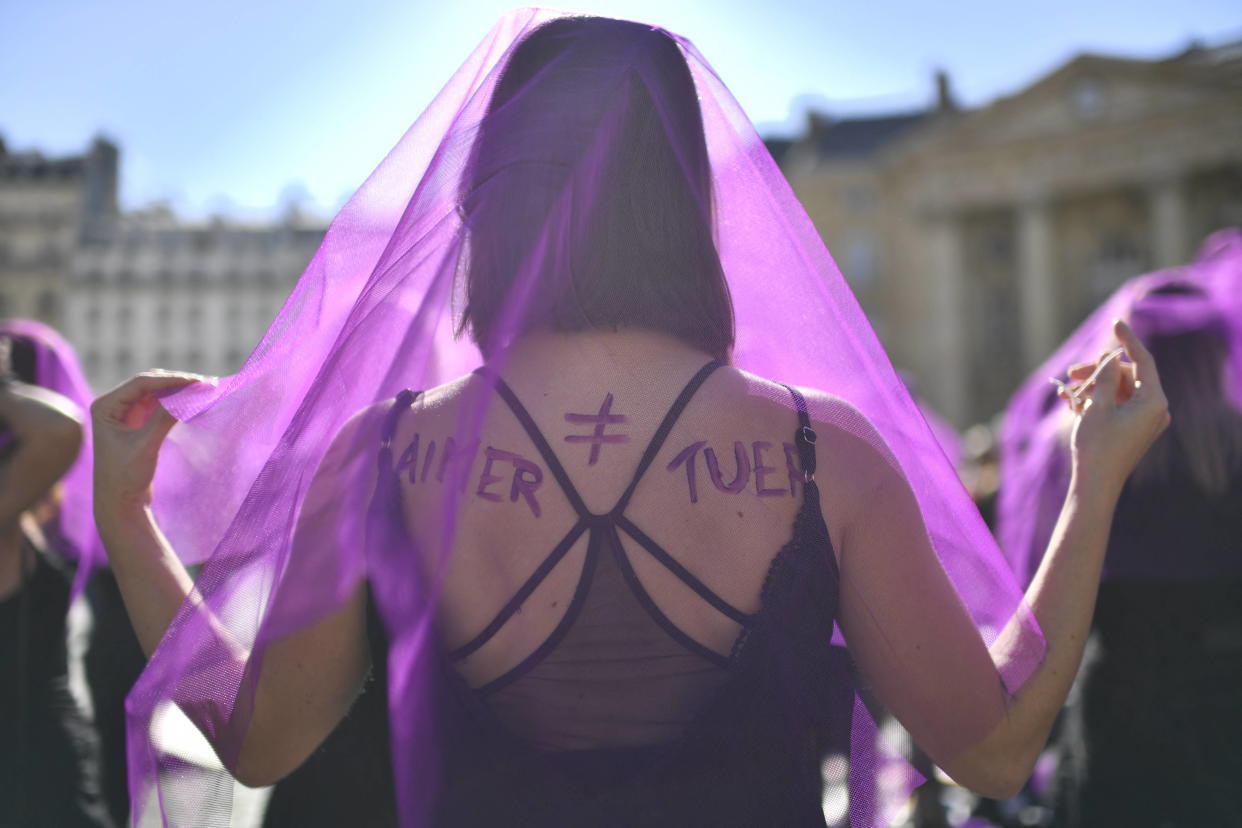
21, 359
20, 356
1203, 443
587, 197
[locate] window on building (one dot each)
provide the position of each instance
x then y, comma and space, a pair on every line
163, 317
859, 199
1117, 257
1088, 97
48, 305
861, 260
233, 319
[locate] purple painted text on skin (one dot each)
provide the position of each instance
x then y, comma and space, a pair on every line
741, 457
526, 478
793, 466
601, 421
761, 470
686, 456
456, 462
743, 464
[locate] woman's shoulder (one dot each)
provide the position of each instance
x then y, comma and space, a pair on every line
851, 452
432, 400
832, 417
839, 425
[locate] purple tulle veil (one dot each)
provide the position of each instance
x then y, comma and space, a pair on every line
378, 310
1035, 460
57, 369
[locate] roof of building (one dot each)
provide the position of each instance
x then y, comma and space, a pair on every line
861, 137
33, 166
778, 147
847, 138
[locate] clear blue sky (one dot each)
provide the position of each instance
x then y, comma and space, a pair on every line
226, 105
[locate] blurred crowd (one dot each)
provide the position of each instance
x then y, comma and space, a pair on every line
1152, 734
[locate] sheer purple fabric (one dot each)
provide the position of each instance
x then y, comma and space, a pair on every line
516, 177
57, 369
946, 435
1035, 462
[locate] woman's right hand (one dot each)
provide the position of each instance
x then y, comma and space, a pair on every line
1125, 412
128, 426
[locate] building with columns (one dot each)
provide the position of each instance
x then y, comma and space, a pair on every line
144, 289
978, 239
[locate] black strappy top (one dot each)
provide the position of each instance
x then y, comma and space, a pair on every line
752, 726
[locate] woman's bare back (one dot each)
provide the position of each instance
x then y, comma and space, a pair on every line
531, 613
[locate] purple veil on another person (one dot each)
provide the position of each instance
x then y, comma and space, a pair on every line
511, 172
1034, 432
57, 369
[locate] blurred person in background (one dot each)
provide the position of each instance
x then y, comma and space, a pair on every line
113, 662
1153, 732
48, 750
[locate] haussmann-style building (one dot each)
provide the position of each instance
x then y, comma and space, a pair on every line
977, 239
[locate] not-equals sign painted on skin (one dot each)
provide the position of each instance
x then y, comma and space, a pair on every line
597, 437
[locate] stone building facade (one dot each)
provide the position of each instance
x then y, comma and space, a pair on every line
143, 289
155, 292
47, 206
977, 239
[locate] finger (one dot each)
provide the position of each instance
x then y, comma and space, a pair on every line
1125, 389
1080, 371
159, 423
137, 387
1144, 364
1107, 380
149, 381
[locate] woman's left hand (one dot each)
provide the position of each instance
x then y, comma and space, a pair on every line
128, 426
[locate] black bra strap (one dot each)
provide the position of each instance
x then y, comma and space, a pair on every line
804, 438
653, 448
684, 575
536, 437
515, 603
657, 441
389, 428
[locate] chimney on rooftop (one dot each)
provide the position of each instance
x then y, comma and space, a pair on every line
945, 101
817, 125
